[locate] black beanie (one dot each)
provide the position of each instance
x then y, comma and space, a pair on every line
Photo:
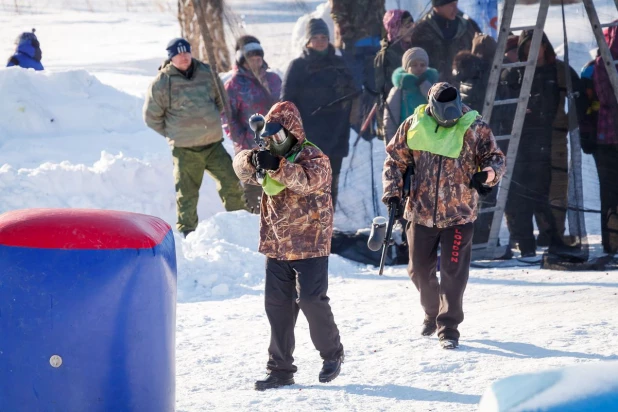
247, 46
438, 3
315, 27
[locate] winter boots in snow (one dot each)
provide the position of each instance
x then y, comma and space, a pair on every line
331, 368
429, 326
449, 343
275, 380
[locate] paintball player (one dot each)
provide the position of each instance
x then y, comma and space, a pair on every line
454, 156
296, 224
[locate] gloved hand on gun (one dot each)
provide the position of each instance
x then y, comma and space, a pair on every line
265, 160
480, 179
396, 203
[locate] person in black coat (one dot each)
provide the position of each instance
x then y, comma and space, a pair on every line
321, 86
540, 177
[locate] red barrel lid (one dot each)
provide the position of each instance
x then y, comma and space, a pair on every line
81, 229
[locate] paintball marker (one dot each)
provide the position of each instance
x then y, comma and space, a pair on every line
381, 230
256, 122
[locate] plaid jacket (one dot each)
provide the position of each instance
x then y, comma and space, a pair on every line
608, 110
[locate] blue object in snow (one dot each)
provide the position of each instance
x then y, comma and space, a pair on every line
87, 311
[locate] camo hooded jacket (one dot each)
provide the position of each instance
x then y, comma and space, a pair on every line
441, 195
296, 223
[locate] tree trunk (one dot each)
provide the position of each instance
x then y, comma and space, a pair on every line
190, 30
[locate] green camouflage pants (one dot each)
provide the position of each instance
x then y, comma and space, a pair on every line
189, 166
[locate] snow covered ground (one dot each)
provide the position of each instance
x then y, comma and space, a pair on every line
72, 136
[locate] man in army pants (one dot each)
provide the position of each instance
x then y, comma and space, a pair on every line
183, 105
296, 225
454, 155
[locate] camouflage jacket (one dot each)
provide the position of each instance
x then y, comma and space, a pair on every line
356, 19
297, 223
186, 111
441, 195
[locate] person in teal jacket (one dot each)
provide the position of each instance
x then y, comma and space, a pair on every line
411, 83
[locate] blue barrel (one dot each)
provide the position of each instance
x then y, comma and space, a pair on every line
87, 311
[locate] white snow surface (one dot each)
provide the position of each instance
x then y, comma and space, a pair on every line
96, 153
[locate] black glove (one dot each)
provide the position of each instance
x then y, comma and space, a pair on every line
395, 202
264, 160
478, 182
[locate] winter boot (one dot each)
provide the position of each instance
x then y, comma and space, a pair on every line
449, 343
185, 233
429, 326
275, 380
331, 368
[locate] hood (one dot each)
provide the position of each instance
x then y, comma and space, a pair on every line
466, 66
287, 114
392, 21
525, 37
611, 38
29, 47
484, 46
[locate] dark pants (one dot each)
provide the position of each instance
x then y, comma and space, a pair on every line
442, 299
606, 159
335, 165
292, 285
529, 195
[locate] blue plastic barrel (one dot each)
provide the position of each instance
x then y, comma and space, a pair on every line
87, 311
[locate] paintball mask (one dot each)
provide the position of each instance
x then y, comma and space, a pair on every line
279, 140
445, 105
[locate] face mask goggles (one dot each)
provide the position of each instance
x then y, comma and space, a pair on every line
446, 113
275, 132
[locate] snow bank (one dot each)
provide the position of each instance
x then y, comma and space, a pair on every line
114, 182
590, 387
220, 259
59, 103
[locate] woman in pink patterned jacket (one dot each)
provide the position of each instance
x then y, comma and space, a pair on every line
251, 89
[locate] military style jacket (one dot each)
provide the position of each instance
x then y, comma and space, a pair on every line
186, 111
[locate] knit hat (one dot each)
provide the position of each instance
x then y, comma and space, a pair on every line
484, 46
412, 54
247, 46
511, 43
177, 46
393, 20
315, 27
438, 3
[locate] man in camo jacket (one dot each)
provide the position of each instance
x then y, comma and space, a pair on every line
455, 157
296, 224
182, 105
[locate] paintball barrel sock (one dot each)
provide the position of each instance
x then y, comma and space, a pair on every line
381, 229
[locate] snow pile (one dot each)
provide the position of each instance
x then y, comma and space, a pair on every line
592, 386
220, 259
111, 183
59, 103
